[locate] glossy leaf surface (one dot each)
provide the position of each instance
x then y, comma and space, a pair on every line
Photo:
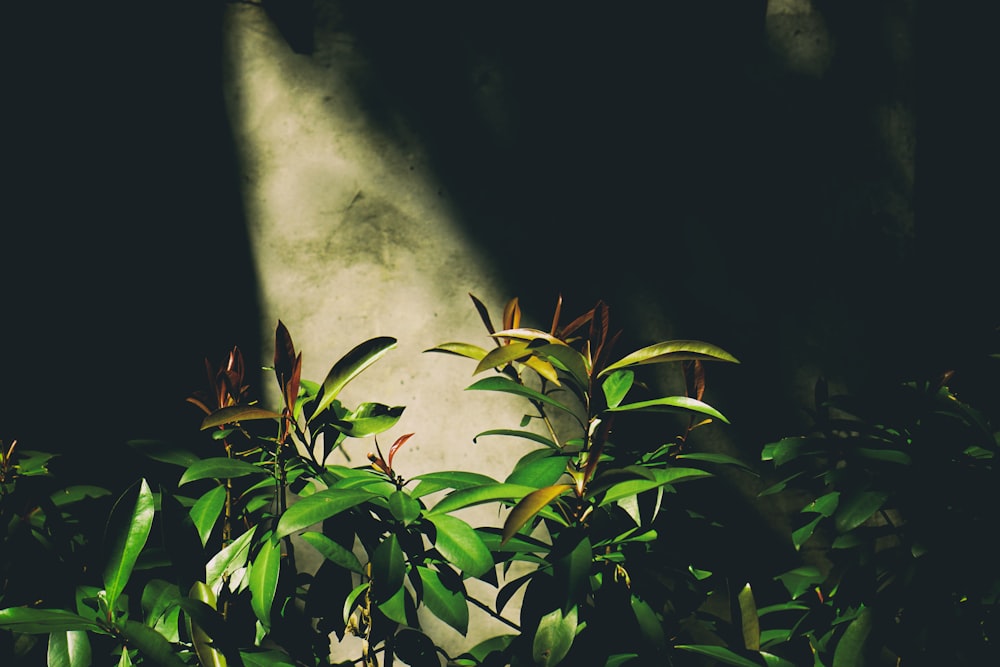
128, 528
461, 545
318, 507
350, 366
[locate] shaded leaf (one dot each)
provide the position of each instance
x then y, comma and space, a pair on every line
850, 651
505, 384
720, 653
858, 508
332, 551
236, 413
554, 637
616, 385
152, 645
388, 569
164, 452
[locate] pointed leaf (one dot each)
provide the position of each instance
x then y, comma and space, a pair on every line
152, 645
333, 551
164, 452
616, 385
448, 605
450, 479
673, 404
720, 653
536, 437
649, 625
350, 366
404, 508
264, 572
388, 569
503, 355
68, 648
748, 619
460, 349
35, 621
661, 478
128, 530
505, 384
461, 545
850, 649
370, 419
674, 350
207, 510
236, 413
538, 469
554, 637
858, 508
529, 506
220, 467
318, 507
478, 495
229, 560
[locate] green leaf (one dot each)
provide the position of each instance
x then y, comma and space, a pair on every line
452, 479
503, 355
350, 366
152, 645
230, 559
619, 659
220, 467
370, 419
478, 495
673, 350
566, 358
800, 579
128, 530
720, 653
887, 455
460, 349
749, 620
802, 534
554, 637
264, 572
164, 452
541, 439
76, 493
201, 617
404, 508
616, 386
207, 510
858, 508
448, 605
31, 620
722, 459
351, 600
68, 648
662, 476
538, 468
318, 507
395, 607
333, 551
850, 651
504, 384
529, 506
266, 658
649, 624
788, 449
460, 545
825, 505
672, 404
236, 413
388, 569
573, 569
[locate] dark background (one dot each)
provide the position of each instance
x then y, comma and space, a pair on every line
657, 156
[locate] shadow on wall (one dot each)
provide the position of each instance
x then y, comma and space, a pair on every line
686, 163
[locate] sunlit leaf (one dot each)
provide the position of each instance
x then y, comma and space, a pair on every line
537, 469
749, 621
526, 334
369, 419
350, 366
800, 579
529, 506
236, 413
264, 572
616, 386
318, 507
207, 510
219, 467
460, 349
674, 350
530, 435
672, 404
68, 648
128, 530
478, 495
461, 545
404, 508
231, 558
451, 479
503, 355
332, 551
447, 604
554, 637
32, 620
505, 384
661, 478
